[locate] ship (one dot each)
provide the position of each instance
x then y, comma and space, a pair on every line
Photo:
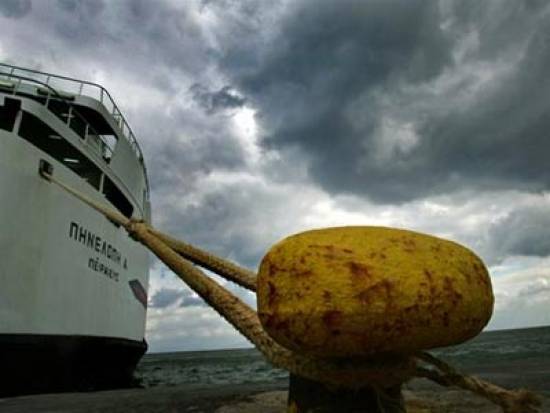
73, 284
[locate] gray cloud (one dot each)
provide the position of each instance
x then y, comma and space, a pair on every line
15, 8
141, 38
192, 301
212, 102
539, 286
166, 297
522, 300
523, 232
221, 224
192, 146
83, 7
68, 5
365, 97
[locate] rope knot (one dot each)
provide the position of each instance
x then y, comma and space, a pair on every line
136, 229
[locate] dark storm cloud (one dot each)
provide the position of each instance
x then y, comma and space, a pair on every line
219, 224
336, 70
15, 8
212, 102
143, 38
190, 148
68, 5
500, 140
327, 56
87, 7
525, 231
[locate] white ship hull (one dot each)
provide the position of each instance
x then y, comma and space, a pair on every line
72, 284
48, 277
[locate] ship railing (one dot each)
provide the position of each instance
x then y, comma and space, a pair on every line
68, 87
57, 86
74, 120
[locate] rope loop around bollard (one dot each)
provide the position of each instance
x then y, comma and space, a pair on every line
379, 374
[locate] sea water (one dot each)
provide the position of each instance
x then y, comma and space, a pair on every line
496, 347
493, 350
239, 366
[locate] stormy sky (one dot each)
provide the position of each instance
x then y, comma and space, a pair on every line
260, 119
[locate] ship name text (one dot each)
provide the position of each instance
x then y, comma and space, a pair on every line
101, 248
88, 238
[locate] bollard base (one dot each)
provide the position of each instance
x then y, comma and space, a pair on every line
309, 396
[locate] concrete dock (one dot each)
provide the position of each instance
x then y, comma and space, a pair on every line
421, 397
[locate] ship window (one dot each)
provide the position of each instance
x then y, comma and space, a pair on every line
68, 114
110, 143
78, 124
38, 99
46, 139
117, 198
8, 113
62, 110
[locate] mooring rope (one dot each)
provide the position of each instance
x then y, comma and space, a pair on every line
232, 272
511, 401
377, 373
229, 270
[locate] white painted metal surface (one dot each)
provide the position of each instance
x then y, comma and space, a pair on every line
64, 268
47, 285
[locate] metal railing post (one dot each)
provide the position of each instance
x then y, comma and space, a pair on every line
69, 116
17, 86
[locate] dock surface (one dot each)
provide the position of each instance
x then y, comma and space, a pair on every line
421, 396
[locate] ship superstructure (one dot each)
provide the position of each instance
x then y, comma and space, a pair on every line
73, 285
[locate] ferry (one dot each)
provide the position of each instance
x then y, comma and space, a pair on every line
73, 285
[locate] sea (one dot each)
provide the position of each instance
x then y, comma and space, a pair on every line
517, 353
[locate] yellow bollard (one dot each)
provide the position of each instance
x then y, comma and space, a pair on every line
357, 293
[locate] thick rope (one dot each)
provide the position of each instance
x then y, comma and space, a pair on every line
232, 272
379, 373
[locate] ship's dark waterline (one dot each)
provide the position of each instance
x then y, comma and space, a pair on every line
34, 363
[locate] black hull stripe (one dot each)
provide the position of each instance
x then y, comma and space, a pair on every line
34, 363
